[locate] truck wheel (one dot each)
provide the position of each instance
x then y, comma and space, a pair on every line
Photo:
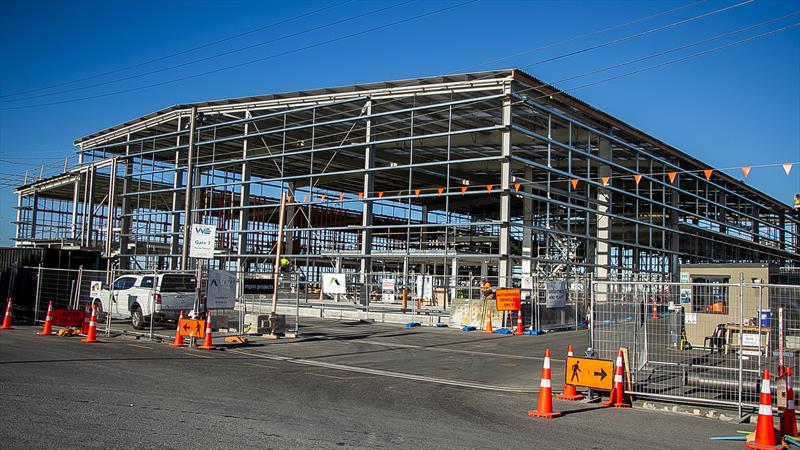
137, 318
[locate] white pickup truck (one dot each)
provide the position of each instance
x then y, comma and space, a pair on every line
138, 297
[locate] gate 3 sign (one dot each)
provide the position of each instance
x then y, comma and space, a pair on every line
507, 299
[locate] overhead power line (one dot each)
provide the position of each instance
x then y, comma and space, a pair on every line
182, 52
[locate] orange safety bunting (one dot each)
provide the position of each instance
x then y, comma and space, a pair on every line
746, 170
517, 185
489, 187
464, 189
380, 194
416, 192
707, 173
787, 167
637, 179
672, 176
441, 189
605, 180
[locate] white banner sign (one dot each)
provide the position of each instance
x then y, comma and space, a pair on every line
387, 284
334, 283
201, 241
556, 294
221, 292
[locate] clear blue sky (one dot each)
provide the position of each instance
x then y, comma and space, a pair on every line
738, 106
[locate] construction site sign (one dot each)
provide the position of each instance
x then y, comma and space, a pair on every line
590, 373
507, 299
192, 328
333, 283
68, 317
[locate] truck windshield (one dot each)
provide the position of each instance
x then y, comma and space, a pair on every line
177, 282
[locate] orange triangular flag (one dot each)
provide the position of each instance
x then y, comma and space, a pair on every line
637, 179
289, 198
708, 173
672, 176
517, 185
322, 197
441, 189
574, 183
746, 170
787, 167
380, 194
489, 187
416, 192
360, 194
463, 189
341, 195
605, 180
305, 197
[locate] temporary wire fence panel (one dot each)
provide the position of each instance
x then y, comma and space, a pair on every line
703, 342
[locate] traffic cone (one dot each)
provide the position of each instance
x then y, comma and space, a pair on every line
789, 419
544, 405
47, 329
178, 342
91, 334
519, 330
207, 345
7, 318
86, 316
489, 328
655, 310
617, 397
765, 428
570, 392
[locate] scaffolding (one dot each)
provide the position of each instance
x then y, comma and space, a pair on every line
490, 173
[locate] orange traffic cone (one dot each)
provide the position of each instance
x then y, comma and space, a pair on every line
518, 331
86, 316
47, 329
7, 318
765, 428
178, 342
91, 335
655, 310
207, 345
789, 419
544, 406
489, 328
617, 397
570, 392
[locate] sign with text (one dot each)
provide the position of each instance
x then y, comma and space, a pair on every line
221, 292
202, 240
590, 373
556, 294
507, 299
527, 283
334, 283
192, 328
259, 286
68, 317
388, 284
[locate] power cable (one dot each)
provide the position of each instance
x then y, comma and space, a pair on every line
218, 55
182, 52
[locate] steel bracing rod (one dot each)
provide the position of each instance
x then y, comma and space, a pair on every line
354, 145
638, 150
671, 187
310, 125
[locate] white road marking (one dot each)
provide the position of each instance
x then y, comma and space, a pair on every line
384, 373
453, 350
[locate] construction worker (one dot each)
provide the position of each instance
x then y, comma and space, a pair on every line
486, 288
284, 262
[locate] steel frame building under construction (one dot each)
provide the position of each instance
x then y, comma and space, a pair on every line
491, 173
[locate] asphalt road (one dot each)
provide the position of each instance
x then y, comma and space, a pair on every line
355, 385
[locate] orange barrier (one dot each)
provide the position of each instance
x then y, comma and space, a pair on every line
91, 335
765, 428
207, 344
570, 391
178, 342
47, 329
544, 405
617, 397
789, 418
86, 316
519, 330
7, 317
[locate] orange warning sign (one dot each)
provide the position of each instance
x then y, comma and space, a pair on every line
192, 328
589, 372
507, 299
69, 317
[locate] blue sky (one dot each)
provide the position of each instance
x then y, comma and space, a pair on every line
738, 106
